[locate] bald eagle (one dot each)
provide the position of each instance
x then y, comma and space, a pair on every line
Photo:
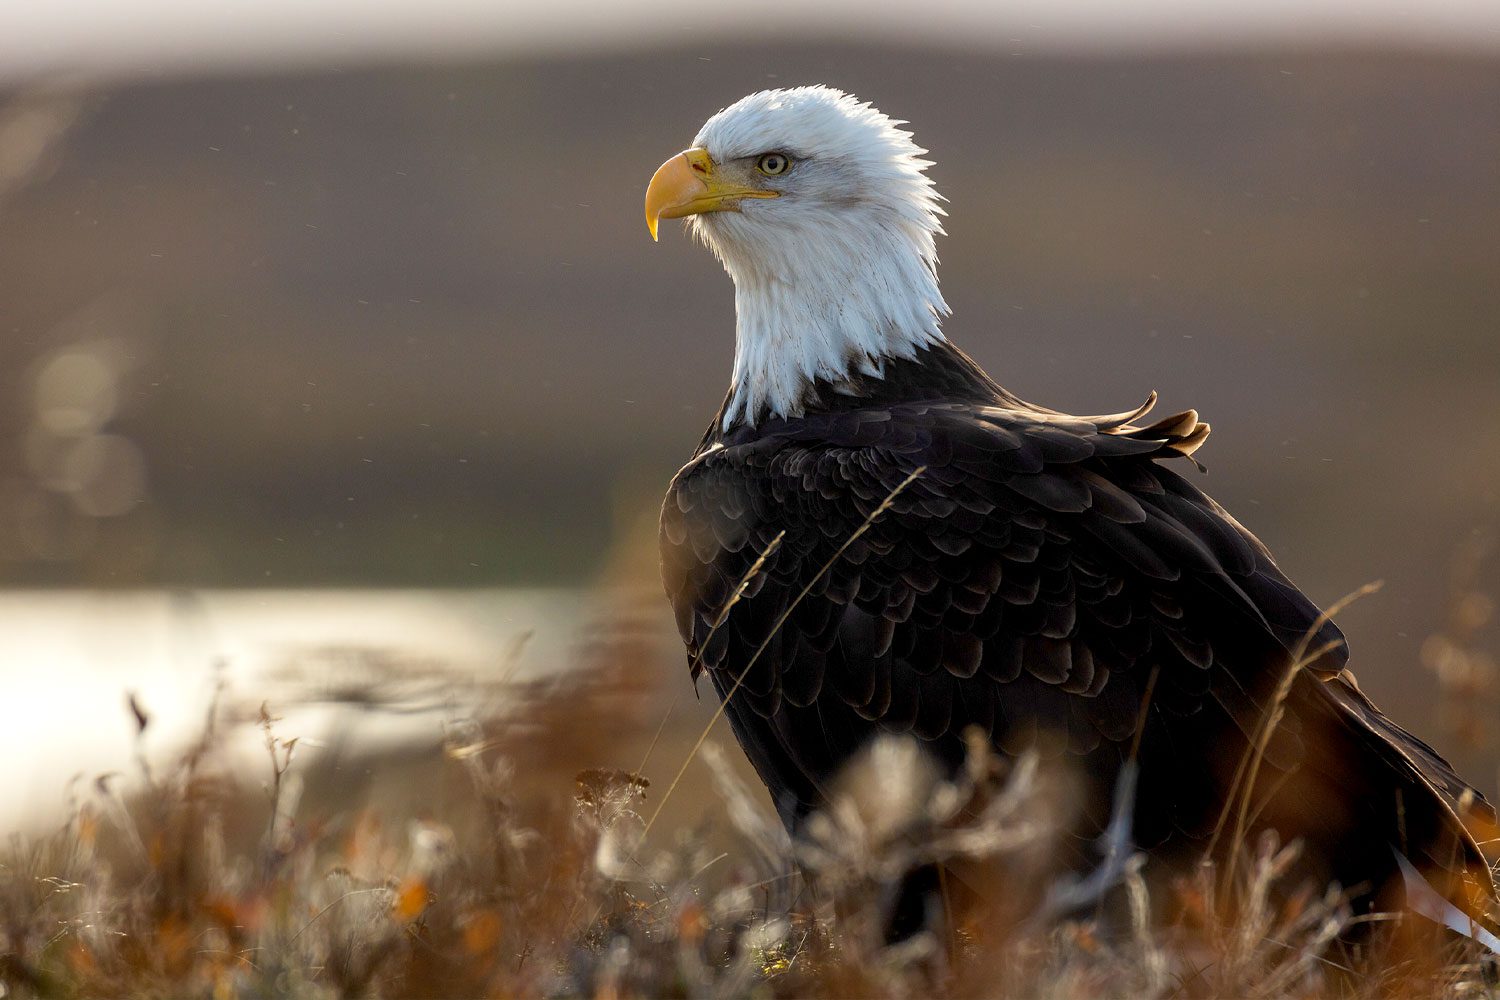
1043, 577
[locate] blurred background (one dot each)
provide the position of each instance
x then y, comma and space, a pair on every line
333, 347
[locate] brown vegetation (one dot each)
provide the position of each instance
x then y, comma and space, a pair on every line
197, 884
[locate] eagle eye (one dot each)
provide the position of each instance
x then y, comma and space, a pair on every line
772, 164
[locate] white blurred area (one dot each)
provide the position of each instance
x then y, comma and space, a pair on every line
370, 669
128, 37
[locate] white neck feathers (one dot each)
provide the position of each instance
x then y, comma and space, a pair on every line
833, 299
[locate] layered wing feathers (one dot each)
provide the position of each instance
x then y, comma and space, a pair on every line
1035, 579
1019, 549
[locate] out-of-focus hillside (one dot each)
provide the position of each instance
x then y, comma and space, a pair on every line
405, 326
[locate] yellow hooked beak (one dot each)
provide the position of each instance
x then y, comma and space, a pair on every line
690, 183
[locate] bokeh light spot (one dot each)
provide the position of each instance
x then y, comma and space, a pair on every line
76, 393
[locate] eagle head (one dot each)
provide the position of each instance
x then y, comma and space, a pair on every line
821, 211
785, 160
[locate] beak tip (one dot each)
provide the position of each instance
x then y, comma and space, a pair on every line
677, 187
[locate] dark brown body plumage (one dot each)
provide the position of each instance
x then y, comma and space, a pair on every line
1031, 581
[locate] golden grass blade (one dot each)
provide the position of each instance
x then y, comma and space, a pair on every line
1242, 789
734, 598
884, 506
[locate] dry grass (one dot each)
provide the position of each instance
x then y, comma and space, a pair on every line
203, 884
526, 870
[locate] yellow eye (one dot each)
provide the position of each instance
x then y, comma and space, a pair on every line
772, 164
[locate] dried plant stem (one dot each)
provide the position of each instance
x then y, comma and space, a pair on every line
656, 738
723, 615
1242, 789
884, 506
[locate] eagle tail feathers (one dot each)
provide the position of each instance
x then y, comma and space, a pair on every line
1177, 436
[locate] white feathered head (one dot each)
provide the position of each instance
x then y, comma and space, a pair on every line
821, 211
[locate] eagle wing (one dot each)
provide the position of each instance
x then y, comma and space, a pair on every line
1037, 578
